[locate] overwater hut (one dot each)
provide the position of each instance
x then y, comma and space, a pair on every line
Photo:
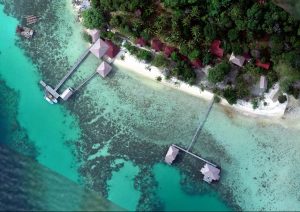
140, 42
99, 48
112, 50
103, 69
215, 48
210, 173
265, 66
67, 94
157, 45
94, 33
263, 84
237, 60
171, 155
168, 50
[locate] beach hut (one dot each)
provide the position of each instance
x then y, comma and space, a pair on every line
140, 42
99, 48
171, 155
237, 60
210, 173
168, 50
157, 45
215, 48
263, 84
66, 94
103, 69
112, 50
94, 33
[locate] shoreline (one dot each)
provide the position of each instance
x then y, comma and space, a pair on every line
131, 63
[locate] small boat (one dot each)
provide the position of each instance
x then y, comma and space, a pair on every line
25, 31
51, 99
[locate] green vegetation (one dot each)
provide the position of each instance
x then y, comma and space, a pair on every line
230, 95
93, 18
255, 103
160, 61
218, 73
87, 37
217, 99
184, 72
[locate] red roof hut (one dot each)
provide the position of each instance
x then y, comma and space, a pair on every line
215, 48
113, 49
265, 66
140, 42
168, 50
157, 45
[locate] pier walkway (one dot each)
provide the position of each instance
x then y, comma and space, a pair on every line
201, 125
73, 68
85, 81
192, 154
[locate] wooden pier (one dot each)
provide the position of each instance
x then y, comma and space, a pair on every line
210, 170
85, 81
73, 69
201, 125
194, 155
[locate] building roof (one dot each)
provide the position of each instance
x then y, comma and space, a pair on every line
157, 45
103, 69
168, 50
171, 154
66, 94
215, 48
263, 82
237, 60
140, 42
196, 63
99, 48
210, 173
94, 33
113, 49
262, 65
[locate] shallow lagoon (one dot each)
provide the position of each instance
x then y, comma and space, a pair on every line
134, 120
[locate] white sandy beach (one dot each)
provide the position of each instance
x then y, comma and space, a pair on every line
130, 62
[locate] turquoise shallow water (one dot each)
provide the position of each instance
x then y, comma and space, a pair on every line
48, 127
113, 134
